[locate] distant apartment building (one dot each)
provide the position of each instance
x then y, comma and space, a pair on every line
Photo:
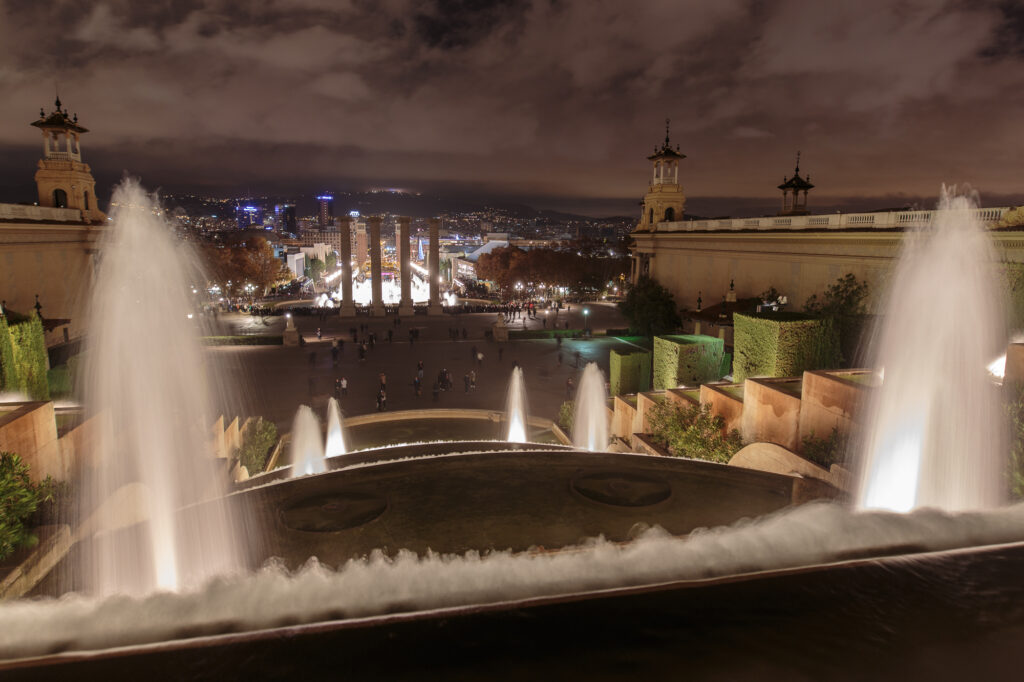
326, 215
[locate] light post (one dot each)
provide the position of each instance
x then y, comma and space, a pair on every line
586, 320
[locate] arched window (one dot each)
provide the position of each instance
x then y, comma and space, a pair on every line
670, 214
60, 198
650, 217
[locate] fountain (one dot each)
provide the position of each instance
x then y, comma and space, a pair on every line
145, 386
335, 444
307, 447
515, 408
590, 421
935, 435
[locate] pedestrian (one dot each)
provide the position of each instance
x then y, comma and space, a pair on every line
480, 359
380, 401
569, 388
576, 358
319, 336
383, 380
501, 351
344, 386
383, 399
472, 379
337, 389
417, 384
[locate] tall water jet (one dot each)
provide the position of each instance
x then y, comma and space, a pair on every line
934, 437
307, 449
145, 387
590, 420
515, 408
335, 444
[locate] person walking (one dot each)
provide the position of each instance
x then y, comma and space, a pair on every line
383, 381
472, 380
344, 386
337, 389
319, 336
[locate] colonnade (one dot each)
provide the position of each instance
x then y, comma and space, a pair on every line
405, 305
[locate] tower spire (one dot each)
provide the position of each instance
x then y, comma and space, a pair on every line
798, 161
667, 122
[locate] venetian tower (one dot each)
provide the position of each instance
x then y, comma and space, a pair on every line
665, 200
63, 180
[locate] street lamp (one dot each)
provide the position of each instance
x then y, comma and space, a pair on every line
586, 319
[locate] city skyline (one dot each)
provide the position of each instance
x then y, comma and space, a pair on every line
551, 105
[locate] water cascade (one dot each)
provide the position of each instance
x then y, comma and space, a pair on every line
934, 435
145, 387
307, 448
590, 421
515, 408
335, 435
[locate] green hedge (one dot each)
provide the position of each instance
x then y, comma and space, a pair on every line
782, 344
23, 358
248, 340
629, 371
687, 359
59, 380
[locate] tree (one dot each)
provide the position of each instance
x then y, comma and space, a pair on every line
262, 267
650, 308
845, 303
316, 269
332, 260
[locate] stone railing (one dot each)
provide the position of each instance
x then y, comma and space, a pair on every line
884, 220
40, 213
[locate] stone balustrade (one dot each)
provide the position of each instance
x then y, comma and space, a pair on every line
881, 220
39, 213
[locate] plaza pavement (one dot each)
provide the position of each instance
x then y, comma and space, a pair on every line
272, 381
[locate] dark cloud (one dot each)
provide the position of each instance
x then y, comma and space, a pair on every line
536, 99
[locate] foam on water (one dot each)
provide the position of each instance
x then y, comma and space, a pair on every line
803, 536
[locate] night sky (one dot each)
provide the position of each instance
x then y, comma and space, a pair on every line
555, 103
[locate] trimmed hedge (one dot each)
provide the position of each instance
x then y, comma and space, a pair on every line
23, 359
248, 340
782, 344
687, 359
629, 371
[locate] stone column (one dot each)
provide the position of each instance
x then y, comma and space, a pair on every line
434, 267
348, 305
405, 306
377, 305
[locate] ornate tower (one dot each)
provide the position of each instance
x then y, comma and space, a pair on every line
664, 200
63, 180
791, 188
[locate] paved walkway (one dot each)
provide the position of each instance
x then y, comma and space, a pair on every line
273, 381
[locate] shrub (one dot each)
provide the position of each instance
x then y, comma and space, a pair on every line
59, 380
782, 344
1015, 474
566, 415
24, 359
826, 451
629, 372
19, 497
686, 359
256, 443
247, 340
845, 303
691, 431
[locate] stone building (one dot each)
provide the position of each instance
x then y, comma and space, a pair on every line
47, 247
797, 253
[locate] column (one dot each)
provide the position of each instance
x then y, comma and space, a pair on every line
434, 267
348, 305
377, 304
405, 306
